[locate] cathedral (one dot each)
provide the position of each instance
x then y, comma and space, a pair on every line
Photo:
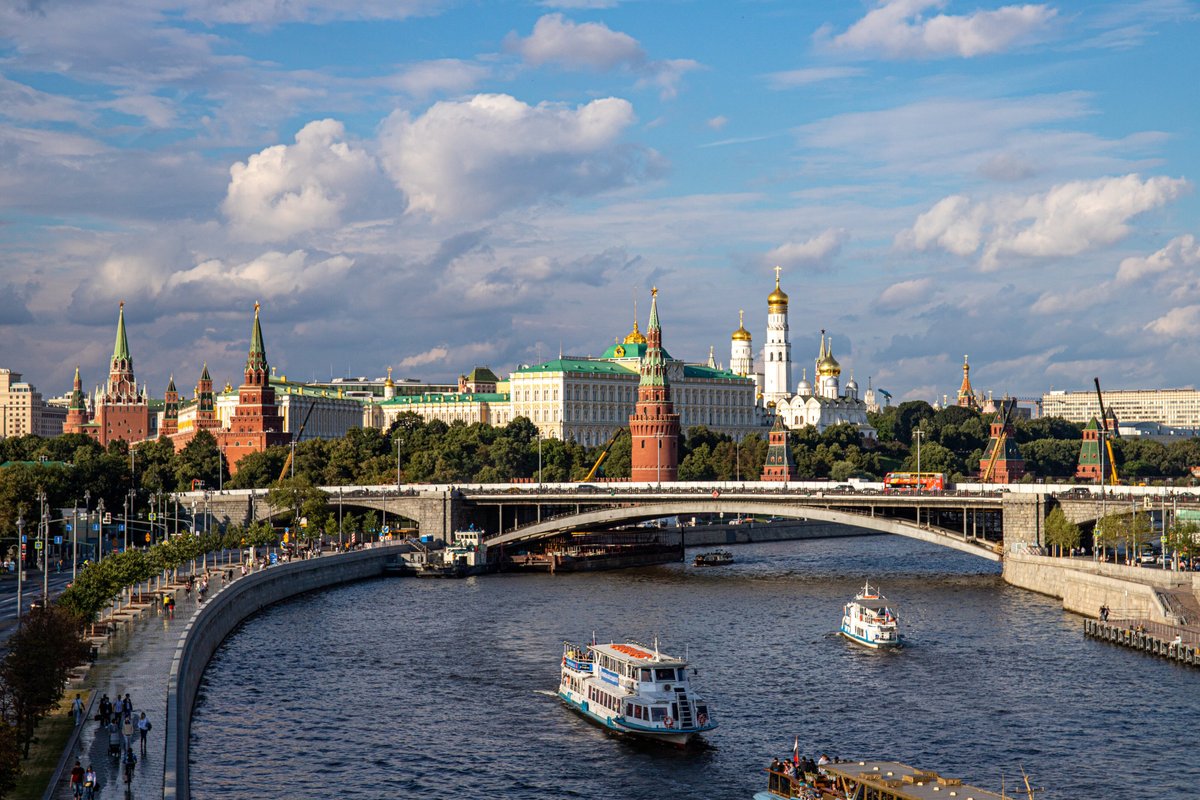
821, 404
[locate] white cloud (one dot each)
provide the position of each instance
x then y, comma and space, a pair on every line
1178, 323
287, 189
476, 157
21, 102
900, 29
587, 45
1179, 253
717, 122
815, 251
440, 75
274, 11
804, 77
904, 294
594, 46
157, 111
1068, 219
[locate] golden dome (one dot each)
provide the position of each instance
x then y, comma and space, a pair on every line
777, 301
635, 336
389, 381
741, 334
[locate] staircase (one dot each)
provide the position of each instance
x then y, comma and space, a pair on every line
685, 709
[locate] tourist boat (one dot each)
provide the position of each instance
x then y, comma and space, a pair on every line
870, 780
633, 689
870, 620
717, 558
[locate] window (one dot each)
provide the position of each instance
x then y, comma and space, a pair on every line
664, 674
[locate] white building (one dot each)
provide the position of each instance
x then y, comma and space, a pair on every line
1171, 407
22, 410
825, 404
777, 352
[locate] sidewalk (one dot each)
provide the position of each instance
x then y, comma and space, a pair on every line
137, 662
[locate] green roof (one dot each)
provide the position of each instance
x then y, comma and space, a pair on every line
121, 347
483, 375
632, 351
585, 365
701, 371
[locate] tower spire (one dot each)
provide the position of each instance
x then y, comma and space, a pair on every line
121, 347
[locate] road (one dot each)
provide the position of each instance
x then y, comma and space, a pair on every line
31, 591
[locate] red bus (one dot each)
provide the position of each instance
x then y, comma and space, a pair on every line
905, 482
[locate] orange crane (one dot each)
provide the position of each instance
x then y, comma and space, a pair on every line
1112, 460
603, 455
287, 462
1000, 440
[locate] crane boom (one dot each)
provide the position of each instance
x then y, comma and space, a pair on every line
287, 462
603, 455
1112, 461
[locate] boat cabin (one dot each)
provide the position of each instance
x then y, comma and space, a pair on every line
891, 780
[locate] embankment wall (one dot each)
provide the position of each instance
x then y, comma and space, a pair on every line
1085, 586
217, 618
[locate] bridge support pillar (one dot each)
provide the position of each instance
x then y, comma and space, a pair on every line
1024, 519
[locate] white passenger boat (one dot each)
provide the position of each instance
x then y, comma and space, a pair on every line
634, 689
870, 620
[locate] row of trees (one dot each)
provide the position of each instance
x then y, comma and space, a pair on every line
1128, 532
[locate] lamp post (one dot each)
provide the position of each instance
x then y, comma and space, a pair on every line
340, 518
20, 562
737, 456
658, 437
125, 528
918, 434
100, 532
45, 530
397, 464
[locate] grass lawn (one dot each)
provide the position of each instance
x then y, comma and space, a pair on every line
49, 740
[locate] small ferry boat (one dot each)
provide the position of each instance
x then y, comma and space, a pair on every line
634, 689
870, 620
465, 555
717, 558
869, 780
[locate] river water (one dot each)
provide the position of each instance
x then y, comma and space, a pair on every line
406, 688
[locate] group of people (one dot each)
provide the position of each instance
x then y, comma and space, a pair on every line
801, 777
118, 718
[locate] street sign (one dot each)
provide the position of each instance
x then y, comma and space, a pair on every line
37, 544
387, 529
95, 526
121, 527
24, 538
108, 518
58, 540
153, 516
69, 528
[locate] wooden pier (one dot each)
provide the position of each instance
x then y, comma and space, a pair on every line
1172, 642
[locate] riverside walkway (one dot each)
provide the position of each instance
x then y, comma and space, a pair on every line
137, 662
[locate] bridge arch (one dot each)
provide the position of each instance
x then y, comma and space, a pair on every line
656, 510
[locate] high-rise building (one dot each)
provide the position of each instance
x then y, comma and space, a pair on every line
1172, 407
21, 406
654, 425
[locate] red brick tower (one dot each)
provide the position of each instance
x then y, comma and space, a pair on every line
170, 422
206, 403
77, 414
256, 423
123, 412
779, 464
1002, 461
654, 426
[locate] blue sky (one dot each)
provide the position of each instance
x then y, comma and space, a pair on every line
432, 185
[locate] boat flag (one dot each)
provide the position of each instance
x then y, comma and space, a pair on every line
796, 751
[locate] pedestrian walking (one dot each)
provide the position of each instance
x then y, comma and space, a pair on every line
126, 705
77, 709
130, 763
143, 726
127, 731
105, 710
77, 780
89, 783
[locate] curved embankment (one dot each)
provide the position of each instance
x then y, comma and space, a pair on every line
224, 611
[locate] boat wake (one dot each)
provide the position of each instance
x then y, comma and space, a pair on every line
545, 693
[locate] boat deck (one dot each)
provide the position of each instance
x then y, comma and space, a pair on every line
891, 780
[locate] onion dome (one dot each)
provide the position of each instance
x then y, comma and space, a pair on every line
635, 336
804, 388
741, 334
827, 365
777, 301
852, 385
389, 381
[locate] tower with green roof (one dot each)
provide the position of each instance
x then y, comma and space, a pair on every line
256, 423
122, 410
654, 425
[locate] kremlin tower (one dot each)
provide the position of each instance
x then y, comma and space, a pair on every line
654, 425
121, 411
77, 413
256, 423
777, 353
170, 421
779, 464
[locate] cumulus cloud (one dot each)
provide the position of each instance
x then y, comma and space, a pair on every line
1178, 323
904, 294
440, 75
1179, 253
286, 189
816, 251
475, 157
1068, 219
900, 29
594, 46
274, 11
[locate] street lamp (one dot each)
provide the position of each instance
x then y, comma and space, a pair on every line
340, 517
918, 434
658, 459
100, 532
20, 562
539, 458
45, 530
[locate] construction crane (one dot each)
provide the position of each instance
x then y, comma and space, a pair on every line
1112, 460
1001, 437
287, 463
603, 455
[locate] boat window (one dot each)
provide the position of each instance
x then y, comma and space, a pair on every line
664, 674
647, 675
657, 713
701, 710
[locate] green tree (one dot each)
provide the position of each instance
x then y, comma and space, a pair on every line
10, 755
199, 460
1061, 533
34, 672
1183, 539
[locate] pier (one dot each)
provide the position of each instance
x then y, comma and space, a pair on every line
1174, 642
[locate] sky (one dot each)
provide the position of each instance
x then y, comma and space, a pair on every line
432, 185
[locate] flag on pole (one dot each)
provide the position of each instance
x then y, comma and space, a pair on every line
796, 751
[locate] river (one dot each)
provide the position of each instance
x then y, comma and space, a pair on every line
406, 688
